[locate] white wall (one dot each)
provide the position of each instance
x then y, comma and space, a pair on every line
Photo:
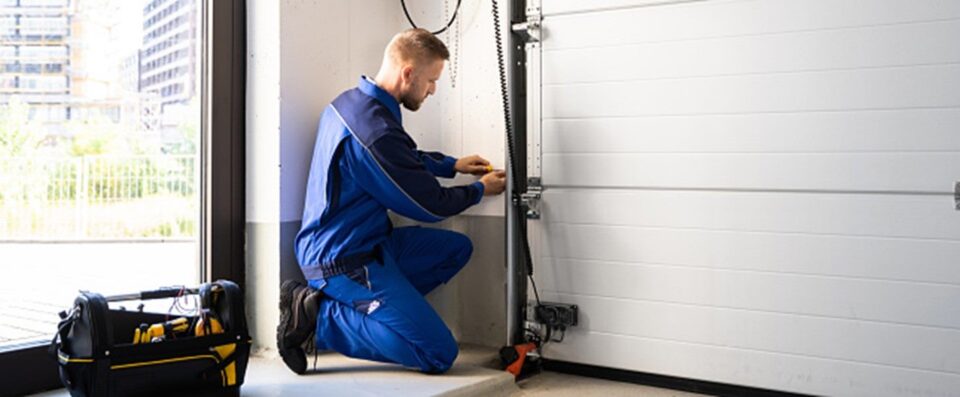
263, 111
262, 161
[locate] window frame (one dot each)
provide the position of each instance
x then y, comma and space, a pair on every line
27, 368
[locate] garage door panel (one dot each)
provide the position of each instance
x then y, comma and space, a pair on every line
753, 192
869, 258
808, 132
904, 346
856, 215
771, 370
825, 297
865, 89
889, 172
689, 20
851, 48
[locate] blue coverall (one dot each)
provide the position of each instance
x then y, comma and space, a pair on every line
375, 275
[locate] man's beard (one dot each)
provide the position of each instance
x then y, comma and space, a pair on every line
410, 103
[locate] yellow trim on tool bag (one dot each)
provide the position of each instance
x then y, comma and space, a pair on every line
164, 361
230, 370
223, 377
66, 359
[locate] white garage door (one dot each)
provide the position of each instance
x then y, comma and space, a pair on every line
753, 192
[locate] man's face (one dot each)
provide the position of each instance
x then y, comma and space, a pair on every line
421, 83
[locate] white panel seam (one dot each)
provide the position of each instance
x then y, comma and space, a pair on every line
750, 74
756, 112
762, 311
784, 233
749, 35
752, 271
727, 347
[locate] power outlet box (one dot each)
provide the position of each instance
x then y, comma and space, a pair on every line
558, 316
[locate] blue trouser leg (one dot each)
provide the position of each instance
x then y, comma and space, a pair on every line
381, 314
428, 257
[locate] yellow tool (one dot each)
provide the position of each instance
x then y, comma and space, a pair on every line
160, 331
207, 325
489, 168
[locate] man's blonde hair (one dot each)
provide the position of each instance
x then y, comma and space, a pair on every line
416, 46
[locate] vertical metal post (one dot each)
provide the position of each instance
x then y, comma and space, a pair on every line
513, 260
516, 269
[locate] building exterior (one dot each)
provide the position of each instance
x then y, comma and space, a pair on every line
130, 62
35, 56
168, 59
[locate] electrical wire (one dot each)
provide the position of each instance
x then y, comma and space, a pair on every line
516, 201
403, 4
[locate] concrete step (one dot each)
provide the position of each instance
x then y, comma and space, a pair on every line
471, 375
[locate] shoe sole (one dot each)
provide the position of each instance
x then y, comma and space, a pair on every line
294, 358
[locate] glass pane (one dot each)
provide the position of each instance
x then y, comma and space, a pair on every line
99, 154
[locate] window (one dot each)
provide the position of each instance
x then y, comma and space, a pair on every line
41, 83
44, 52
7, 83
8, 26
44, 195
44, 3
44, 26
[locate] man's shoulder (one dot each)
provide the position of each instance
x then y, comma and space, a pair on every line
366, 118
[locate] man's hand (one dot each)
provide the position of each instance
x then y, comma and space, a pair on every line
494, 182
473, 164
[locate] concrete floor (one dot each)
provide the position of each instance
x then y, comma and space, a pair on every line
472, 375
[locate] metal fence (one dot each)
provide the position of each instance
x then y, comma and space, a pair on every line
99, 197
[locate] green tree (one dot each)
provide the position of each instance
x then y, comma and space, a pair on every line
94, 137
18, 136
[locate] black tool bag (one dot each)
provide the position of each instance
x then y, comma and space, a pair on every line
97, 355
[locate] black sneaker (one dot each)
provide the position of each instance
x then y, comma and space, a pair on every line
299, 305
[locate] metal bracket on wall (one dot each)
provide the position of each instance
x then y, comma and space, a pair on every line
529, 30
531, 198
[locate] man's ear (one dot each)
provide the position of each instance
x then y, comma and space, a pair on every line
407, 74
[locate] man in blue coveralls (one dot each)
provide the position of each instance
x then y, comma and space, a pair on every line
367, 279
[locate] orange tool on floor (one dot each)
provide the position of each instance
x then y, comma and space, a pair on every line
514, 357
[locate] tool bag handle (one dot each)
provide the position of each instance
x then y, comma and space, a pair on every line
161, 293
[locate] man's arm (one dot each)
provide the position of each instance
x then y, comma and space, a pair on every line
393, 173
445, 166
438, 163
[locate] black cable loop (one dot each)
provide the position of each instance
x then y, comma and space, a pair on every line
403, 4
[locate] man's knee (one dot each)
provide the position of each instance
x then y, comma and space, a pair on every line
461, 246
441, 357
